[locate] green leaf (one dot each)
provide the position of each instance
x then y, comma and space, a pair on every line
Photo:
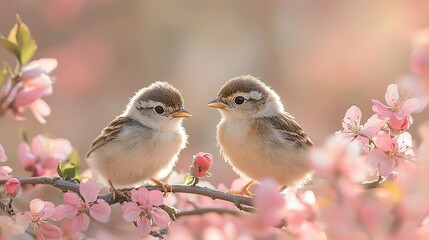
4, 73
25, 41
189, 180
74, 159
71, 168
60, 169
69, 171
23, 135
11, 47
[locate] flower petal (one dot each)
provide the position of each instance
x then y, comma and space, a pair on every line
62, 149
392, 95
29, 94
71, 198
375, 156
68, 211
80, 223
155, 198
160, 217
383, 141
405, 139
61, 211
380, 109
352, 117
40, 110
89, 190
36, 206
100, 211
50, 231
386, 167
130, 211
372, 126
143, 226
25, 156
410, 105
3, 156
48, 210
43, 65
140, 195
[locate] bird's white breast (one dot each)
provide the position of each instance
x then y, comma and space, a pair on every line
254, 156
138, 155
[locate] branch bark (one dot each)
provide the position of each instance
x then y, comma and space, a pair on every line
201, 211
242, 202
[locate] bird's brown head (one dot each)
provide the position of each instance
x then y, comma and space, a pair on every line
243, 96
159, 102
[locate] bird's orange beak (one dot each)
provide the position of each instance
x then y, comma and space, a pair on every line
182, 113
217, 103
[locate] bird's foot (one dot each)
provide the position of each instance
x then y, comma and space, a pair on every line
244, 191
241, 192
166, 188
116, 193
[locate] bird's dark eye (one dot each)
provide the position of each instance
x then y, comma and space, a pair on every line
159, 109
239, 100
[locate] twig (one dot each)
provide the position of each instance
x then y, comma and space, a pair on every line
159, 233
4, 207
15, 78
373, 184
201, 211
242, 202
172, 211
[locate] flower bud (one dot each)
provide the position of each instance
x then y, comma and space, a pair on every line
201, 164
397, 126
12, 187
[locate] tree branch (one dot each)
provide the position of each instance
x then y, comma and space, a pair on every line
242, 202
201, 211
373, 184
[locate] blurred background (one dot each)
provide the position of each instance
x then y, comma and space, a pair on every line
321, 56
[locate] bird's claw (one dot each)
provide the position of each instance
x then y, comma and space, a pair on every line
241, 192
115, 192
244, 191
166, 188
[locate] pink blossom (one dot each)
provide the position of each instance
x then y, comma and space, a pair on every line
78, 209
269, 203
398, 107
419, 62
40, 212
5, 172
3, 156
353, 130
397, 126
144, 210
12, 186
43, 154
419, 59
390, 153
339, 158
35, 83
13, 225
299, 210
201, 164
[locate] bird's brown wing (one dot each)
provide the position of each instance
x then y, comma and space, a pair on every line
109, 133
290, 130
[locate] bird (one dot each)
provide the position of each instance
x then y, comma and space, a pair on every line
257, 137
143, 143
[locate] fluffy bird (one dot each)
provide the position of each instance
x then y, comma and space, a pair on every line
258, 137
143, 143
